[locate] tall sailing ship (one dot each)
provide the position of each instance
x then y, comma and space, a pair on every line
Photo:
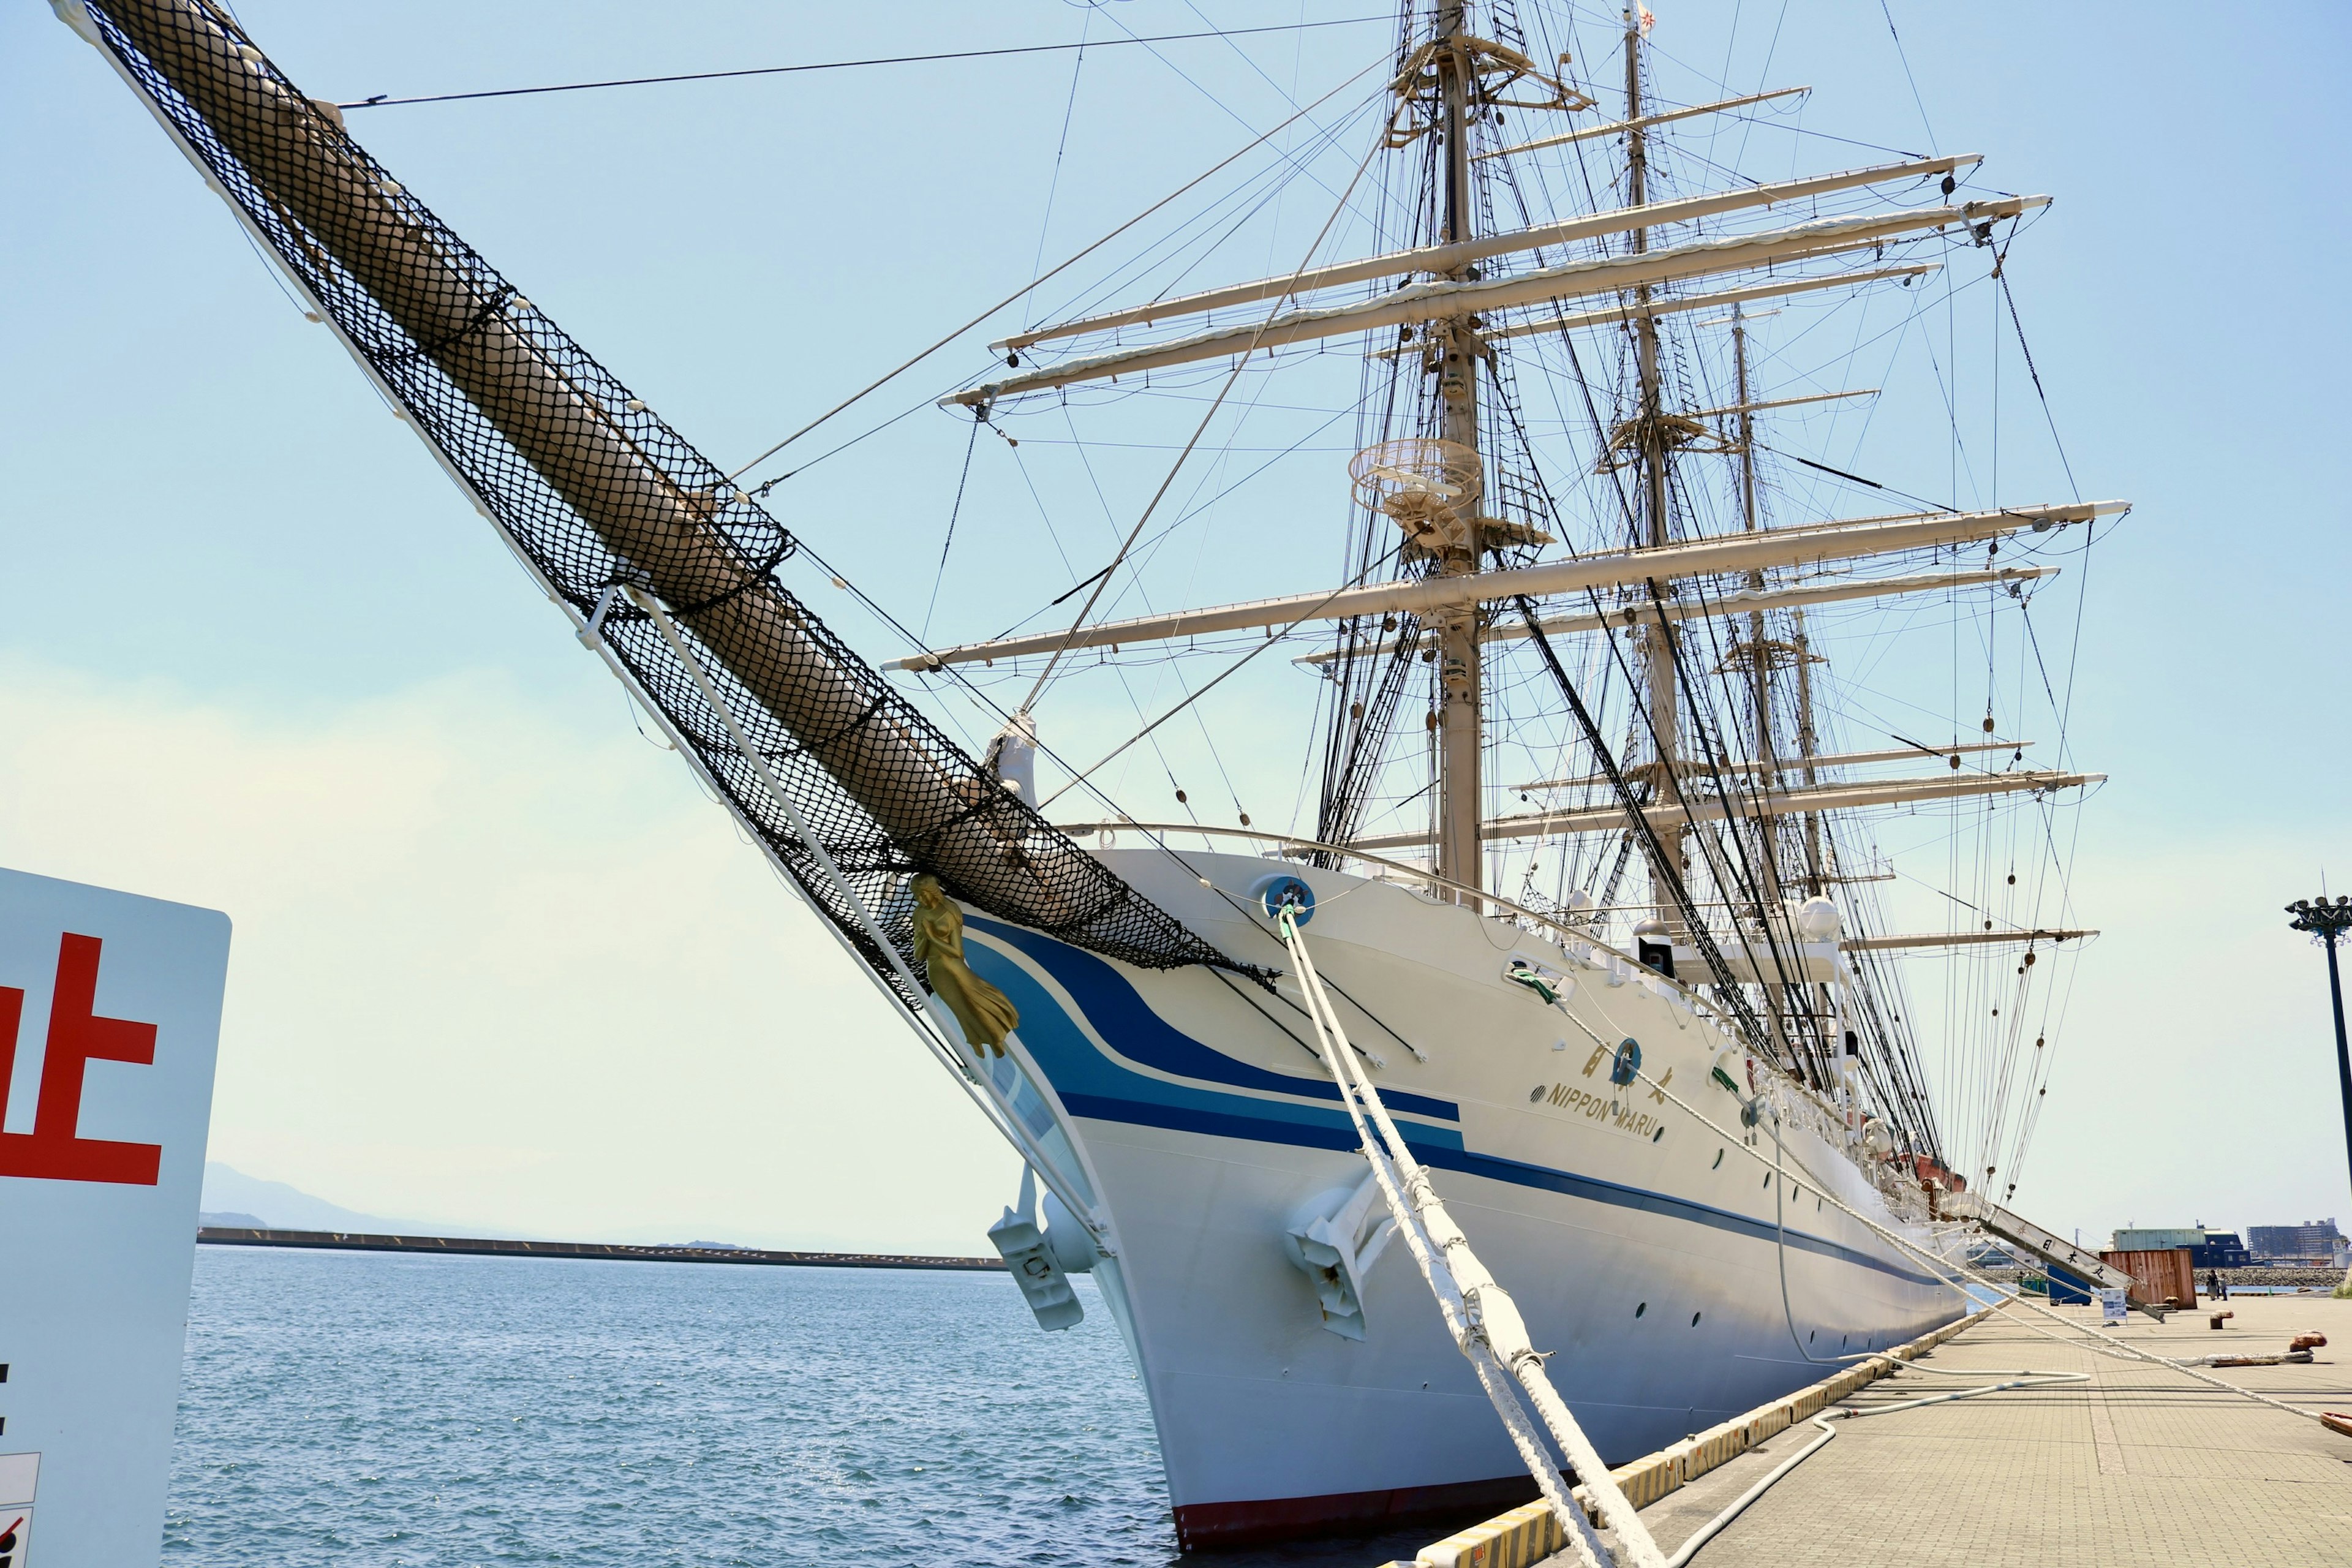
1594, 891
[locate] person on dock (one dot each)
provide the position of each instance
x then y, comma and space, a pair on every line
986, 1014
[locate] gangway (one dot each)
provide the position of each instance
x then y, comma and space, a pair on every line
2053, 1251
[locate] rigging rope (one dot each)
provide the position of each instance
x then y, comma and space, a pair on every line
1480, 1316
946, 543
1727, 989
2121, 1349
1073, 260
1061, 144
1273, 637
382, 101
1241, 362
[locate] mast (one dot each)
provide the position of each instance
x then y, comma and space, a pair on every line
1657, 637
1759, 664
1807, 747
1459, 698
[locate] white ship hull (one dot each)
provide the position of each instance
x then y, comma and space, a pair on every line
1644, 1251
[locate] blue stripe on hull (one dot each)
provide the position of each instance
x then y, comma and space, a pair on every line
1094, 1087
1451, 1157
1112, 1005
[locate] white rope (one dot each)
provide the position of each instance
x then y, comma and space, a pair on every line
1450, 1307
1713, 1527
2122, 1349
1582, 1537
2028, 1379
1781, 1249
1479, 1313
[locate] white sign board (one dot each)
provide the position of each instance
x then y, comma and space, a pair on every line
110, 1016
2112, 1307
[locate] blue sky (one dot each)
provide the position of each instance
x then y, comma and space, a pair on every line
500, 966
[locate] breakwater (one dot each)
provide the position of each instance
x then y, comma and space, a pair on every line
493, 1246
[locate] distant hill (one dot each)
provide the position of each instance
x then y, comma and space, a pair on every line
231, 1220
242, 1200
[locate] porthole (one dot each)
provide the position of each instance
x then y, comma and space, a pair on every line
1768, 1178
1694, 1318
1718, 1161
1642, 1309
1810, 1334
1661, 1132
1535, 1094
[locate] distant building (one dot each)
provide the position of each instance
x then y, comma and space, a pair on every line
2315, 1241
2136, 1240
2221, 1249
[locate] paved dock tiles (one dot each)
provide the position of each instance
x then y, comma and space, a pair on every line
1530, 1534
2140, 1466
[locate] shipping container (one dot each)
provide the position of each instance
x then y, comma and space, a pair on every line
2157, 1275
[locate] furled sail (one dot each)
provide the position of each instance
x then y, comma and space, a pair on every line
1439, 259
1842, 541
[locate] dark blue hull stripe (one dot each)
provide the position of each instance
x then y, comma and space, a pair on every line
1111, 1004
1221, 1124
1093, 1085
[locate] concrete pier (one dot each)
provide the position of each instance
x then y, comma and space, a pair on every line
2139, 1465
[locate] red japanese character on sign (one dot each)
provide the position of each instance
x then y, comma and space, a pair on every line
53, 1148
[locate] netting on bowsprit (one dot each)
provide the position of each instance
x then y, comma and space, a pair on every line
597, 493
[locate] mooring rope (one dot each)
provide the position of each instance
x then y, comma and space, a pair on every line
2003, 1300
1479, 1313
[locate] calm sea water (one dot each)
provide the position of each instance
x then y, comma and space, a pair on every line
370, 1408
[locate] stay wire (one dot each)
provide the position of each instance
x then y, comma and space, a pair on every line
1169, 668
1273, 640
1729, 992
1241, 362
1903, 56
947, 543
1027, 287
2001, 278
1069, 112
981, 700
381, 101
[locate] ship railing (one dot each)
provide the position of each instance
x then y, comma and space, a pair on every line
1828, 1119
1564, 933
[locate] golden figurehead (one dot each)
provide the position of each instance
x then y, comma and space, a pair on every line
986, 1014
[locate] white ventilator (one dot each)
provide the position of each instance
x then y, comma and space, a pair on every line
1479, 1313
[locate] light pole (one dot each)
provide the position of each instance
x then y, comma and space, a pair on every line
2327, 923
